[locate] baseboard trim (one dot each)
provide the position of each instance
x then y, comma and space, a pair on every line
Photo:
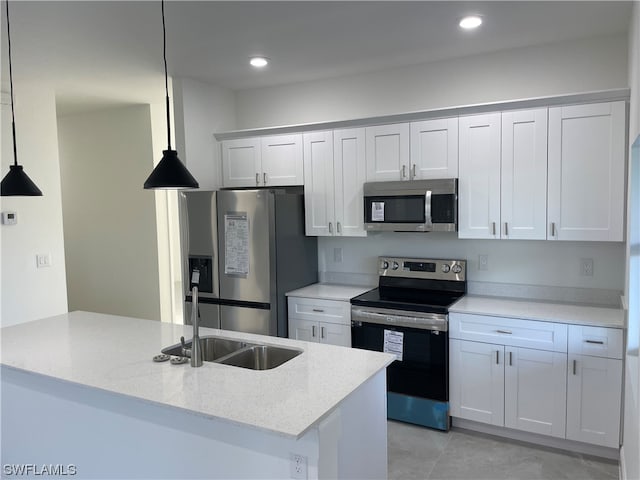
542, 440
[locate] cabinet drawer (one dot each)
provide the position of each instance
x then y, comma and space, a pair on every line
330, 311
595, 341
509, 331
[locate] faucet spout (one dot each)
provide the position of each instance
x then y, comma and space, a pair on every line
196, 348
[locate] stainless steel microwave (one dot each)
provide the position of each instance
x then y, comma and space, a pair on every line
411, 206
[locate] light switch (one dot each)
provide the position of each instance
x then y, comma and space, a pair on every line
43, 260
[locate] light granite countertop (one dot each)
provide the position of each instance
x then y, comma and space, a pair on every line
540, 310
327, 291
115, 354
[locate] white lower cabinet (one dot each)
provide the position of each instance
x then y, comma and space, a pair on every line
594, 385
322, 321
570, 386
518, 388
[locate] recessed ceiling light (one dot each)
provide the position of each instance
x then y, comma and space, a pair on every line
470, 22
259, 62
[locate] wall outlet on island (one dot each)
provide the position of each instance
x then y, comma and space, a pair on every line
298, 466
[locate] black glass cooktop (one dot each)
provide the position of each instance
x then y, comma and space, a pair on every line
413, 300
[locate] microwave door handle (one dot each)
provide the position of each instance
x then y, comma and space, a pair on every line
427, 209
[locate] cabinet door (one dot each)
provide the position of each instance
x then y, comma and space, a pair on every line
305, 330
476, 381
535, 391
335, 334
387, 152
282, 162
434, 149
318, 184
523, 212
586, 172
594, 390
241, 162
349, 164
479, 181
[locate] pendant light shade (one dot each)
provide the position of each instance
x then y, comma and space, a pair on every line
16, 182
170, 173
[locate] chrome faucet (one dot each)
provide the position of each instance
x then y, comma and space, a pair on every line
196, 349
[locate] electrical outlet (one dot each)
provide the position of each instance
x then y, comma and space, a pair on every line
483, 262
337, 255
586, 267
298, 466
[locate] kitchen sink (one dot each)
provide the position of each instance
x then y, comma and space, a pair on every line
212, 347
260, 357
236, 353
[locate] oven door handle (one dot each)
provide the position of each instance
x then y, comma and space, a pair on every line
365, 316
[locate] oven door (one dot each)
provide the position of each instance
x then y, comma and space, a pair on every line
423, 369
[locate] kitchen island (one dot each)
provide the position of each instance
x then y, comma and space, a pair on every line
81, 389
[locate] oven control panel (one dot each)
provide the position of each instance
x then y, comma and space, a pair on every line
438, 269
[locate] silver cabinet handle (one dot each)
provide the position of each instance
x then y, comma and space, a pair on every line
321, 332
506, 332
257, 179
596, 342
574, 367
264, 177
313, 331
330, 227
404, 171
497, 357
338, 227
413, 171
510, 358
319, 310
493, 228
506, 228
553, 229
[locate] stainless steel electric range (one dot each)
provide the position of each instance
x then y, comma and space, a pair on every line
407, 315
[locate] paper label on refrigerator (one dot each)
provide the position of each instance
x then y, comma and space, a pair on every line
393, 342
236, 244
377, 211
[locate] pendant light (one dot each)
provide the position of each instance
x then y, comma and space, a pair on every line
170, 173
16, 182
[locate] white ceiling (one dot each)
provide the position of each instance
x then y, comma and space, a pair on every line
99, 53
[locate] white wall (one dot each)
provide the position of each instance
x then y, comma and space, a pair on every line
510, 261
29, 293
553, 69
202, 109
631, 428
109, 219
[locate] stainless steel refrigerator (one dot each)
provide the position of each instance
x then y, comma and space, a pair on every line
250, 249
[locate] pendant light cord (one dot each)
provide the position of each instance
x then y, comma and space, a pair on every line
13, 115
166, 76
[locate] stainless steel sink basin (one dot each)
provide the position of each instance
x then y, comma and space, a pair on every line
260, 357
213, 348
236, 353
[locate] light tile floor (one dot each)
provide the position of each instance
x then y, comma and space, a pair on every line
420, 453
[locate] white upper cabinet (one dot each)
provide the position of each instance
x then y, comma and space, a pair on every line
523, 212
241, 162
334, 172
434, 149
259, 162
387, 152
586, 172
349, 169
479, 176
318, 183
